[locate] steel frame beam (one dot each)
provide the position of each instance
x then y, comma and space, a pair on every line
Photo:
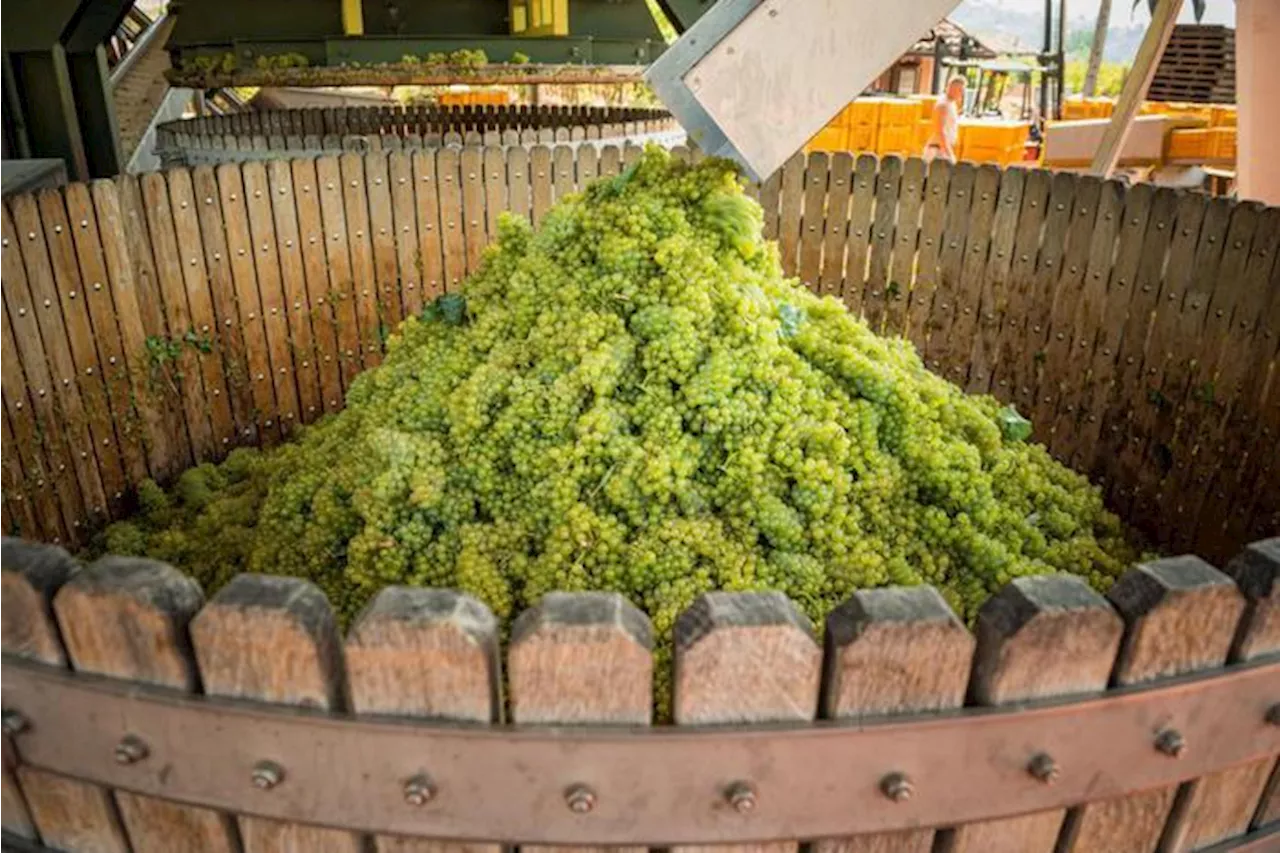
655, 787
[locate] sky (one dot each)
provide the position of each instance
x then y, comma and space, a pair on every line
1216, 12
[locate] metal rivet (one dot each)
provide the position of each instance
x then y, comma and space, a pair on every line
267, 774
1043, 768
13, 722
1171, 743
419, 791
57, 229
233, 196
580, 799
741, 796
897, 787
31, 235
131, 750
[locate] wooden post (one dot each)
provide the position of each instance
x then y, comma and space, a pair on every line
893, 651
1152, 48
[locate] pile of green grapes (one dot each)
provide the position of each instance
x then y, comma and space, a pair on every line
633, 398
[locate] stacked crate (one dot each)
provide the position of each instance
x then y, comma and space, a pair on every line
988, 141
896, 133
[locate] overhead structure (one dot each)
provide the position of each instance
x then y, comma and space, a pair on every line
754, 80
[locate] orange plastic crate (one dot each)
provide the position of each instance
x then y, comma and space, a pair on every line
828, 139
896, 140
1188, 144
1222, 143
861, 138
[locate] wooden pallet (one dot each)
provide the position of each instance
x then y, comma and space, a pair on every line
1198, 65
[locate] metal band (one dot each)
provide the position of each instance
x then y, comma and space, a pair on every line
655, 787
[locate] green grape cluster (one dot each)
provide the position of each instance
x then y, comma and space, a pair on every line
633, 398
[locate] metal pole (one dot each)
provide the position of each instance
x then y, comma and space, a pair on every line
1044, 56
1062, 59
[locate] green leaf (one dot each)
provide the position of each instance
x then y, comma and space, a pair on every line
1013, 426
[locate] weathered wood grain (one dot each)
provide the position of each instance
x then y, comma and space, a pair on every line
791, 203
920, 303
1219, 806
813, 219
451, 218
992, 296
893, 651
68, 814
296, 306
581, 659
127, 618
836, 224
274, 639
883, 237
426, 195
1039, 637
957, 337
471, 178
364, 295
858, 232
1022, 268
425, 653
1180, 616
902, 268
952, 241
540, 182
406, 227
386, 272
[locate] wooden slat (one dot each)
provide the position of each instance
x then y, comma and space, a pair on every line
1242, 376
425, 653
227, 336
564, 179
21, 506
902, 268
67, 813
813, 220
471, 177
1029, 338
386, 270
791, 201
540, 181
195, 278
405, 225
274, 639
1166, 358
127, 618
323, 353
883, 236
1026, 246
1108, 317
1040, 637
581, 659
1077, 321
1052, 344
955, 233
1180, 616
1123, 407
994, 288
831, 276
1209, 313
518, 187
296, 307
71, 294
956, 341
427, 204
610, 161
49, 420
588, 165
355, 203
920, 302
1219, 806
451, 219
94, 297
240, 251
725, 642
893, 651
341, 297
770, 198
129, 279
279, 368
495, 188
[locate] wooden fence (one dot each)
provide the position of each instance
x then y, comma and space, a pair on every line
153, 322
113, 766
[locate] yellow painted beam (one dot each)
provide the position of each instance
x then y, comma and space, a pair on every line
352, 17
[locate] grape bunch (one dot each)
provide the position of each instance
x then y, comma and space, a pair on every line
633, 398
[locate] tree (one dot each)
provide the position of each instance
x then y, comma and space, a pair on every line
1095, 49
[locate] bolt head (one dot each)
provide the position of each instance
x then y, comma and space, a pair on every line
1044, 769
1171, 743
13, 722
897, 787
419, 791
131, 749
266, 775
742, 797
580, 799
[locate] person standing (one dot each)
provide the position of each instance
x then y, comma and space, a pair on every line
946, 122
